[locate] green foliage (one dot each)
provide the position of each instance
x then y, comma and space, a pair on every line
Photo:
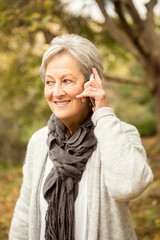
21, 97
23, 41
146, 127
136, 108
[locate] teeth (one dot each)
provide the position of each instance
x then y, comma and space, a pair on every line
62, 103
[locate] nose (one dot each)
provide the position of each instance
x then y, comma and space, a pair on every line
58, 91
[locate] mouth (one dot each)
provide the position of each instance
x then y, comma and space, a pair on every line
62, 103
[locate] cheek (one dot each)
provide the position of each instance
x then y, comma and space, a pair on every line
75, 91
47, 94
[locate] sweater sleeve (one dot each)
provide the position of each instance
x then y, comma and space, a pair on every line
123, 158
20, 221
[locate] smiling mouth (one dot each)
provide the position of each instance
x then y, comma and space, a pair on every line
62, 103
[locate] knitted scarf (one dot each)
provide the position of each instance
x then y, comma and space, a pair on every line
69, 155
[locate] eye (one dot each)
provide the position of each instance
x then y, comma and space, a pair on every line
49, 83
67, 81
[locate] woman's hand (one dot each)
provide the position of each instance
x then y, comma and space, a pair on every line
93, 89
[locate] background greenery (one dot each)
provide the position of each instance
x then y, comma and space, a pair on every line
26, 30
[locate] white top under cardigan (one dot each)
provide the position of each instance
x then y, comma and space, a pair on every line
80, 204
118, 173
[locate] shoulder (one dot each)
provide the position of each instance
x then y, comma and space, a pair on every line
107, 118
41, 132
39, 136
37, 145
129, 128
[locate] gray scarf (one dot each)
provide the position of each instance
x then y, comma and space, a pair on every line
69, 155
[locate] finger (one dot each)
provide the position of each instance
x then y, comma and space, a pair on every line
96, 76
86, 94
91, 83
89, 92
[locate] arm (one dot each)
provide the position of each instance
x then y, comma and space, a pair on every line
123, 157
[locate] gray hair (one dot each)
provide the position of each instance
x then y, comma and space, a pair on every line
80, 48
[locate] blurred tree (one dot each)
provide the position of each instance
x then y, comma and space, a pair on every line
49, 16
140, 36
26, 27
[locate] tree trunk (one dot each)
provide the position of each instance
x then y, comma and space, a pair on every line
156, 98
153, 84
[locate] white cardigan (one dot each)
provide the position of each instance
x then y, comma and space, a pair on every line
118, 173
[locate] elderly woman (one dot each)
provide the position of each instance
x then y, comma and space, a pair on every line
82, 169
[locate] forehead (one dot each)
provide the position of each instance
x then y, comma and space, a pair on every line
63, 59
63, 64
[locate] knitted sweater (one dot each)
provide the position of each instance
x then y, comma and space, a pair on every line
118, 173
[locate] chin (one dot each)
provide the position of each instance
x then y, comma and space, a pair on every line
62, 116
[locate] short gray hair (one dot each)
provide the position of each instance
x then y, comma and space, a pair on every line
80, 48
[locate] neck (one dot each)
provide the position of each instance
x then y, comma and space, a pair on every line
73, 126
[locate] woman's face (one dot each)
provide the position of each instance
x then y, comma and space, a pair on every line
63, 81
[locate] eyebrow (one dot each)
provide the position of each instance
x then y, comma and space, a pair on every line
49, 76
63, 75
